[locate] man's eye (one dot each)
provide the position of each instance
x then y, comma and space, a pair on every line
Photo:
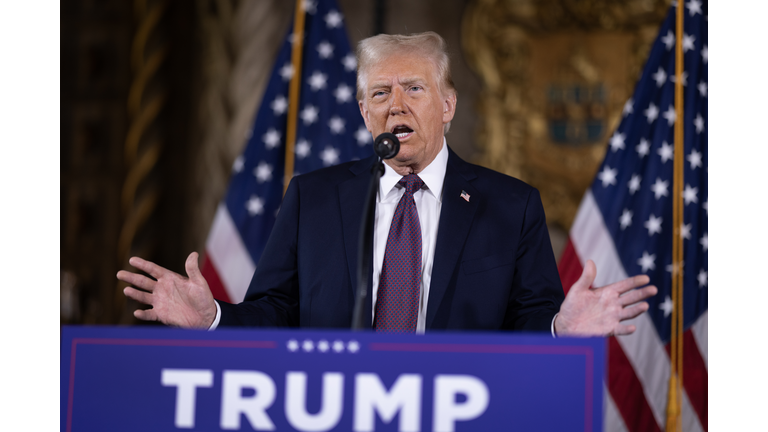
378, 93
416, 88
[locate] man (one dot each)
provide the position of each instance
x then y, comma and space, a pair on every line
456, 246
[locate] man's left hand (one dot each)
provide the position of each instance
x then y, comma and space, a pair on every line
600, 311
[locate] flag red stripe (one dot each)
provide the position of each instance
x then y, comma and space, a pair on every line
214, 282
569, 267
627, 391
695, 377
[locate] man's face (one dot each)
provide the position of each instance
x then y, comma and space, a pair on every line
402, 97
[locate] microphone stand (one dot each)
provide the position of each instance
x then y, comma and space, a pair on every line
386, 146
365, 245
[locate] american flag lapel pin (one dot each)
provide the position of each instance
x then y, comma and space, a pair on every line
465, 195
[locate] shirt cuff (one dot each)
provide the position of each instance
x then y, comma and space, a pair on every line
218, 318
552, 326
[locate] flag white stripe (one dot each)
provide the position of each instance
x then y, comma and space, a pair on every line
228, 253
691, 421
699, 329
612, 420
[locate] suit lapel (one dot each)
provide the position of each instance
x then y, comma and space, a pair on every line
352, 194
456, 217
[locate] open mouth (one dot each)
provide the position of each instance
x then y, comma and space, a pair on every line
402, 131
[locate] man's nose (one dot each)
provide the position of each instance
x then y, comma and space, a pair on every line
397, 102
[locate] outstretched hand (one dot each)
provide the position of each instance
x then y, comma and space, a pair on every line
175, 299
599, 311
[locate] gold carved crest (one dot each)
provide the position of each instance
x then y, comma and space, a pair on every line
556, 75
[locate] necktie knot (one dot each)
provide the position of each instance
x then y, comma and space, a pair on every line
411, 183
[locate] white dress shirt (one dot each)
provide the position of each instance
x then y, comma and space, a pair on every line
428, 203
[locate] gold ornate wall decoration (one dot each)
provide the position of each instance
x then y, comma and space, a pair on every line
556, 75
144, 141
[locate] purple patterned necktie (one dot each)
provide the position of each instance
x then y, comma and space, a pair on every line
397, 300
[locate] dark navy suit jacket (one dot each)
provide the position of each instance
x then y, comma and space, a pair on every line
493, 264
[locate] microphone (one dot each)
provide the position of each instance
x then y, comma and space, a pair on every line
386, 145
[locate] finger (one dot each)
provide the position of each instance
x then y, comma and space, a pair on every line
633, 311
138, 280
587, 276
627, 284
637, 295
145, 315
139, 296
192, 267
622, 329
148, 267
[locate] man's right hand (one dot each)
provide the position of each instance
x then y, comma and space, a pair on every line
175, 300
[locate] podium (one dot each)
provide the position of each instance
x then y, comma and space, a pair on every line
162, 379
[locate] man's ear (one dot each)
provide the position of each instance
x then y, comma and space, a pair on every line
449, 107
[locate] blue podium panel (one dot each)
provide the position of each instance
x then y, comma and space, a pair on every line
160, 379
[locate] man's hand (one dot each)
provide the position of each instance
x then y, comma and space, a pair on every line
175, 300
599, 311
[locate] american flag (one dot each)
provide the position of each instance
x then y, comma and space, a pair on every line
330, 130
624, 224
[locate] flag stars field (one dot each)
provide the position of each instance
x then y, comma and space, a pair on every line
336, 124
669, 40
626, 219
647, 262
608, 176
688, 42
325, 50
666, 152
699, 123
690, 194
302, 148
628, 107
653, 224
651, 113
271, 139
317, 81
617, 141
350, 62
309, 114
702, 88
333, 19
634, 184
670, 115
237, 165
643, 148
685, 231
695, 159
279, 105
362, 136
702, 278
329, 156
286, 72
255, 205
660, 188
343, 93
694, 7
263, 172
667, 306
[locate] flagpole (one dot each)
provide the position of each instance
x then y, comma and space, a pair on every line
293, 92
674, 402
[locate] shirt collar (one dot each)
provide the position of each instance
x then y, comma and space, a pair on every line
433, 175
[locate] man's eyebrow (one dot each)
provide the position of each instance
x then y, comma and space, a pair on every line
414, 80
